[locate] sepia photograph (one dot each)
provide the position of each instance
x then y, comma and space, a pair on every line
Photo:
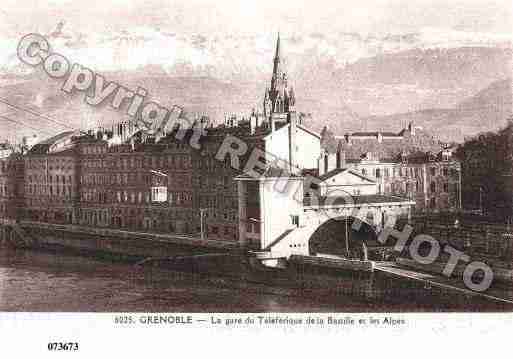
288, 164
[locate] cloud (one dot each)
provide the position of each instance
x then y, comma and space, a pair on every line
225, 55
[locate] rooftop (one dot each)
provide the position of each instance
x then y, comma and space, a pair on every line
336, 171
357, 200
388, 147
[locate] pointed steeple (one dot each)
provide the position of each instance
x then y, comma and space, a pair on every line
277, 53
277, 70
280, 97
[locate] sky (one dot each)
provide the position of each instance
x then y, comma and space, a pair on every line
234, 40
233, 36
363, 16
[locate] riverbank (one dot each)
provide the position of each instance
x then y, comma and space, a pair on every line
227, 266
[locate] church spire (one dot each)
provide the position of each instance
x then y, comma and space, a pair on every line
278, 99
277, 68
277, 53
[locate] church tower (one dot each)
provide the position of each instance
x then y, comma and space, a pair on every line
279, 99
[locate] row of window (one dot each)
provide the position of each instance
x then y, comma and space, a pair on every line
410, 187
217, 201
58, 179
122, 179
7, 166
90, 150
40, 190
169, 161
403, 172
156, 194
224, 182
100, 149
50, 163
43, 202
211, 164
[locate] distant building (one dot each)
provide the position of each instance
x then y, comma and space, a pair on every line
11, 182
51, 180
136, 185
409, 164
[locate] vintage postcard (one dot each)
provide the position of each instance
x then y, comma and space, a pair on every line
205, 168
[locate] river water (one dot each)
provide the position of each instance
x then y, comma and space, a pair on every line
48, 282
36, 281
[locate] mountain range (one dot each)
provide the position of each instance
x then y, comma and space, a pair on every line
454, 92
487, 110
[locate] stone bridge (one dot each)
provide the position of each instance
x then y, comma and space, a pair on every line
362, 220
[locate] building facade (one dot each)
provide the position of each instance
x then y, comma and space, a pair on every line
143, 186
11, 182
409, 164
51, 180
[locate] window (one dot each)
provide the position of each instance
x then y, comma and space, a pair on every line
433, 171
445, 171
295, 220
432, 202
432, 187
446, 187
159, 194
378, 173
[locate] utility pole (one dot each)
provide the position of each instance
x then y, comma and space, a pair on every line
202, 214
481, 199
347, 239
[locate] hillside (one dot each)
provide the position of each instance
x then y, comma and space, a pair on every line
485, 111
438, 89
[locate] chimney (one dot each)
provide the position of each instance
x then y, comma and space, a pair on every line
341, 159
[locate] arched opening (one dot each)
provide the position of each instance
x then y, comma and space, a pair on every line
338, 237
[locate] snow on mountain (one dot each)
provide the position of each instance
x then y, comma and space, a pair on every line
225, 55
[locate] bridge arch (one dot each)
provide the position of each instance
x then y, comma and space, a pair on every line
324, 232
338, 236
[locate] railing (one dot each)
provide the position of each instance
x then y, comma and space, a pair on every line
107, 232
